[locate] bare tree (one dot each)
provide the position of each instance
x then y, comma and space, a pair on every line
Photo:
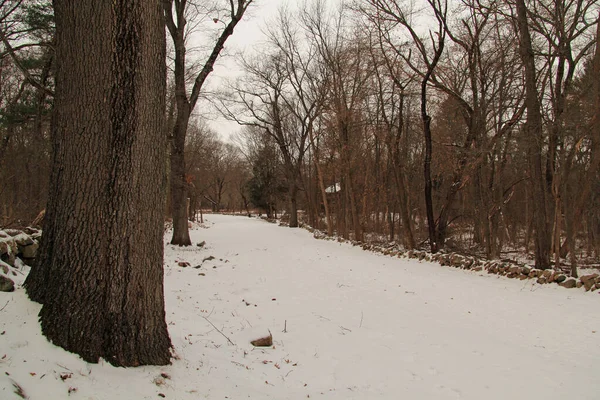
175, 18
430, 51
534, 132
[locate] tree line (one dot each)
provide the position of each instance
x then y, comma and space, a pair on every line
468, 124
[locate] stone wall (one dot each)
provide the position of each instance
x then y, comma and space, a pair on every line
509, 269
14, 245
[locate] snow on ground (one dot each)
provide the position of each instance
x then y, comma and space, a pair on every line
357, 326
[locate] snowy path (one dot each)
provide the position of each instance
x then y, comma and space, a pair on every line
359, 326
366, 326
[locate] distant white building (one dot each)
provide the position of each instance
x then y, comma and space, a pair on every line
333, 188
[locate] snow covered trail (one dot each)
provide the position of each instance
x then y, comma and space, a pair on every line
366, 326
358, 326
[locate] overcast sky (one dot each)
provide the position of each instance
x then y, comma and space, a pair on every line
246, 37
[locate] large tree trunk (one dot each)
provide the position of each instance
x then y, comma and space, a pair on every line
534, 139
99, 275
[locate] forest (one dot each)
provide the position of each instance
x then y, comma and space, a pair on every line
347, 105
471, 125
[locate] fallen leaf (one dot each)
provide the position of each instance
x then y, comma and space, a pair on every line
65, 376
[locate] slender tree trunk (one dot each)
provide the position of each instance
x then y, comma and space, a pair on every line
534, 132
99, 275
400, 179
588, 177
431, 225
181, 234
293, 205
427, 171
322, 186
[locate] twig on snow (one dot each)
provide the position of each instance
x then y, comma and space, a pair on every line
2, 309
218, 330
344, 329
63, 367
19, 390
211, 311
361, 319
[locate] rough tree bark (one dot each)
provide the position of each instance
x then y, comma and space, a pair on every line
99, 275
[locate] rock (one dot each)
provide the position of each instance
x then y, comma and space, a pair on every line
525, 270
560, 278
265, 341
523, 277
4, 267
515, 269
444, 259
23, 239
541, 280
536, 272
588, 278
569, 283
548, 273
456, 260
29, 251
30, 231
589, 284
478, 268
8, 251
6, 284
579, 284
4, 247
